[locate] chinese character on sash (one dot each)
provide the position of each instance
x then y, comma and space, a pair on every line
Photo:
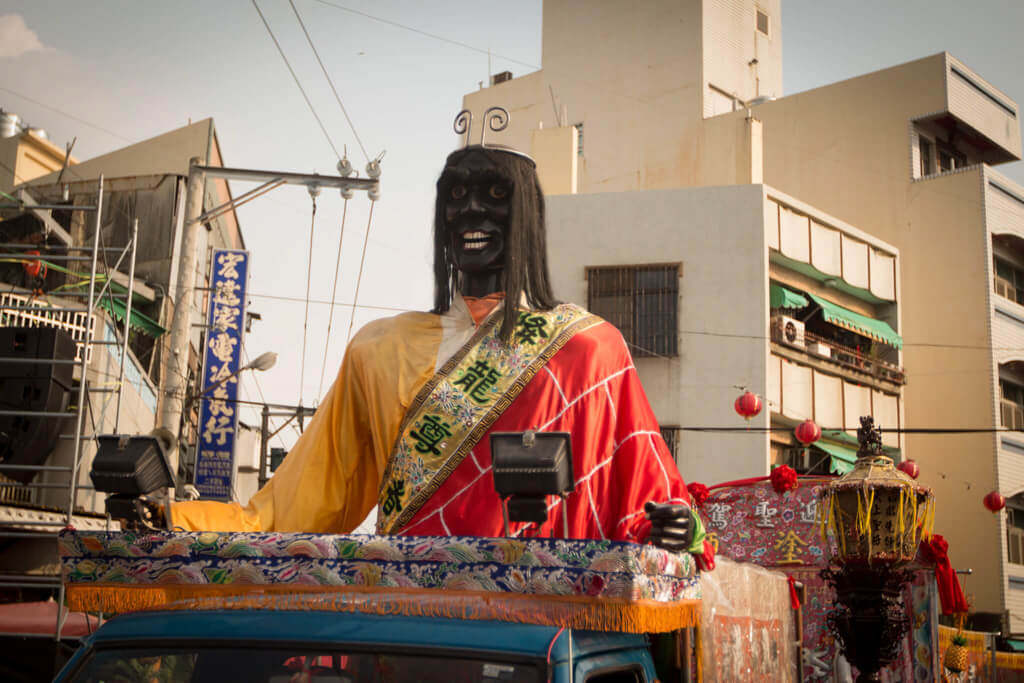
432, 431
530, 328
478, 380
765, 515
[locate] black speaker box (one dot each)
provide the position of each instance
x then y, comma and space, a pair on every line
32, 387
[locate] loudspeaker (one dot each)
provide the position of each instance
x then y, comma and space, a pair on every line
37, 386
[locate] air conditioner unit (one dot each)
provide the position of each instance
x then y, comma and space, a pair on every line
789, 331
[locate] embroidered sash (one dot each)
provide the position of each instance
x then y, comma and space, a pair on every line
458, 405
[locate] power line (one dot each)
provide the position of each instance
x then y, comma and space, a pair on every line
296, 79
309, 282
334, 290
321, 301
65, 114
429, 35
329, 81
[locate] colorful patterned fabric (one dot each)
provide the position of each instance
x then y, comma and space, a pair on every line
457, 406
118, 571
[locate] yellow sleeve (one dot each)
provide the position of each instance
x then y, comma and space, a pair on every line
329, 481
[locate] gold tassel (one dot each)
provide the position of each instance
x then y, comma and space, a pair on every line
580, 612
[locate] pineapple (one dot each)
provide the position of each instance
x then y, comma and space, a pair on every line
956, 654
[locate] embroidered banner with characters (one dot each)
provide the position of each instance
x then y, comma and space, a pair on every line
218, 414
753, 523
459, 404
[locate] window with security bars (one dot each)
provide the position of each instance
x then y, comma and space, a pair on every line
642, 301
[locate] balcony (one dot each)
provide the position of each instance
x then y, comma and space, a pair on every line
818, 346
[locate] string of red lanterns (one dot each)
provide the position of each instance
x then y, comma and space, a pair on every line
748, 405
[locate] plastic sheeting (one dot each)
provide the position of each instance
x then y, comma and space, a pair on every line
747, 628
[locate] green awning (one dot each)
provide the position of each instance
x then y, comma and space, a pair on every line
855, 322
780, 297
1016, 645
850, 441
117, 308
842, 457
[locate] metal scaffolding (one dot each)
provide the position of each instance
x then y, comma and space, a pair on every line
79, 320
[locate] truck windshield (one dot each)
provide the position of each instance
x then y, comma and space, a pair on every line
278, 665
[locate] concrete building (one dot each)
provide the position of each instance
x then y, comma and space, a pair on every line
899, 162
145, 181
696, 281
913, 165
26, 153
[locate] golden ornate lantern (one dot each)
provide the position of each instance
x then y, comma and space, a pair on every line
873, 518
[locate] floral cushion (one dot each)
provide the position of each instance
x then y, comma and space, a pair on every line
557, 567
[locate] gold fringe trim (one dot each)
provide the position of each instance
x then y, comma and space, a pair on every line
599, 614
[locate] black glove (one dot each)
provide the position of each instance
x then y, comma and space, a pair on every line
670, 526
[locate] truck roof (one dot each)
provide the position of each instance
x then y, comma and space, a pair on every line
319, 627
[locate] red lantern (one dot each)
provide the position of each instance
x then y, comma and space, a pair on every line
909, 468
807, 432
994, 501
748, 405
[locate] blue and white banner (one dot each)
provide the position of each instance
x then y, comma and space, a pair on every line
218, 414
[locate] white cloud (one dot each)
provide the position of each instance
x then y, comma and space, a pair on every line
15, 37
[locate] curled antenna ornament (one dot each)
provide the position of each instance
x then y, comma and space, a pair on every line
463, 124
497, 120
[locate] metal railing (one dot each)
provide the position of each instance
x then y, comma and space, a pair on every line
831, 350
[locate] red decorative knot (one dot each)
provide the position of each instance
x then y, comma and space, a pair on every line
994, 501
748, 405
783, 479
698, 493
807, 432
34, 268
909, 468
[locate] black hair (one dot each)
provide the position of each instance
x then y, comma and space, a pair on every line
526, 257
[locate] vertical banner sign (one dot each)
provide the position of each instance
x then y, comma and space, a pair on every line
218, 414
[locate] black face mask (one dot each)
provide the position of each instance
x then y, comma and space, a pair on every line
476, 217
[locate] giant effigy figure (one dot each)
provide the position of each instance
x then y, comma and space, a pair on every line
405, 425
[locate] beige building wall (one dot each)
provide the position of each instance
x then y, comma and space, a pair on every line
647, 68
849, 149
27, 156
717, 235
722, 237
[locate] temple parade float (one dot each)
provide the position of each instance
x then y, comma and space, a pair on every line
807, 567
532, 524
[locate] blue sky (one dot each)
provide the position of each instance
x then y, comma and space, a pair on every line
136, 69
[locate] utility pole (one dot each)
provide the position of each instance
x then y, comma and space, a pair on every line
176, 368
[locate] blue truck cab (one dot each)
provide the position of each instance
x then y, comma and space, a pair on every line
278, 646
